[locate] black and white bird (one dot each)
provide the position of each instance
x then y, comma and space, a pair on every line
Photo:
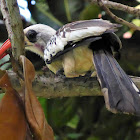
83, 46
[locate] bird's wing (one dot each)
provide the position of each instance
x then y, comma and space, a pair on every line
72, 46
75, 32
85, 24
78, 30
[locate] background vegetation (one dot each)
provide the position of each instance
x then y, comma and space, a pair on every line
85, 118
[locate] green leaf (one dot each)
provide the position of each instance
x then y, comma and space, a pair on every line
60, 111
44, 10
91, 11
74, 135
41, 14
1, 96
43, 102
68, 14
93, 138
3, 60
73, 122
136, 22
66, 10
138, 1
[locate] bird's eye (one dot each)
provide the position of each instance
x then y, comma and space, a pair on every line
31, 35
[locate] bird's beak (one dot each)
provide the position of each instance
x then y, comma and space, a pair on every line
28, 46
3, 49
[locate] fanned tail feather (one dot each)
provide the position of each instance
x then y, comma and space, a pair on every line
120, 93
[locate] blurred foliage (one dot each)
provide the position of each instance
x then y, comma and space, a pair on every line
6, 65
91, 11
86, 118
1, 96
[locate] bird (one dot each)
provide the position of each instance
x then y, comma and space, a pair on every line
87, 46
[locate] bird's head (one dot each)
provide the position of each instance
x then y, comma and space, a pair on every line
36, 38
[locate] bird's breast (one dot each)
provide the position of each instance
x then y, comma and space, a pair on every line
78, 62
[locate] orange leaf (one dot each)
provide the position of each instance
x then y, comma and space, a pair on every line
13, 124
34, 111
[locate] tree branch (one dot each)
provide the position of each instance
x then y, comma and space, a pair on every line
6, 17
119, 6
49, 86
117, 19
14, 26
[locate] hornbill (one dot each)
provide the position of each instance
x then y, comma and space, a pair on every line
83, 46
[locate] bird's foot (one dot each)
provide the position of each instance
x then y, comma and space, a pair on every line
60, 73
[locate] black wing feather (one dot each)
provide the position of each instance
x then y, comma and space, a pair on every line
120, 95
84, 24
91, 23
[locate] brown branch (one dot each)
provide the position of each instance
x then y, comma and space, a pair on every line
117, 19
12, 18
119, 6
6, 17
14, 26
49, 86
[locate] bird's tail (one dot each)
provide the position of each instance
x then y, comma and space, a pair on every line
120, 93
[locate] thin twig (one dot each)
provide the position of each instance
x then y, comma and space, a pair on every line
117, 19
119, 6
